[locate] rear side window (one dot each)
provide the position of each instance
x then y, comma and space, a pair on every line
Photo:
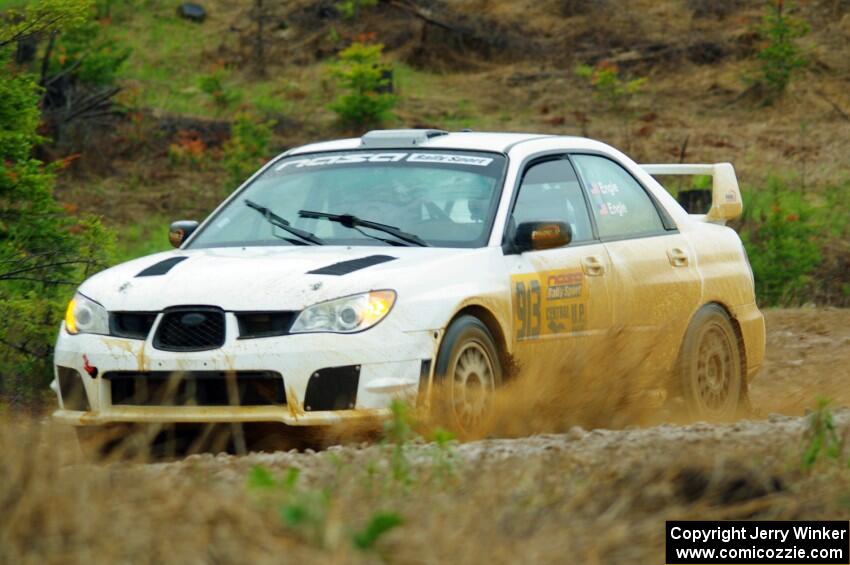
621, 206
550, 191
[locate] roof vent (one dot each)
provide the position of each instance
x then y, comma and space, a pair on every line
397, 138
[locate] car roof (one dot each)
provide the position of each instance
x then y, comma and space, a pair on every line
480, 141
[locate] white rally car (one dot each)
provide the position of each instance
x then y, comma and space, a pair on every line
347, 273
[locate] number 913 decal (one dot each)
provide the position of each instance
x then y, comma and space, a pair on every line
549, 303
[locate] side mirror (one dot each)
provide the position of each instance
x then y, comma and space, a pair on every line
180, 231
537, 236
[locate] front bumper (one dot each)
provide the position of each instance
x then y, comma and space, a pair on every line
391, 364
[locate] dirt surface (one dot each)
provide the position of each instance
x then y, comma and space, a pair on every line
583, 496
808, 356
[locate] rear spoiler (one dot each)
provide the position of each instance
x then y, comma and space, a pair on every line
726, 203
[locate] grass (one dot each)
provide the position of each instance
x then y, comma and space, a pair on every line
142, 238
604, 498
164, 68
822, 438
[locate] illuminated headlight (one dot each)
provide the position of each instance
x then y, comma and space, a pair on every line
345, 315
85, 316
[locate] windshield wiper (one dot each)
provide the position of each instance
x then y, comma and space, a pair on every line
282, 223
354, 222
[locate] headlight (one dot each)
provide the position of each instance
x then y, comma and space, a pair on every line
346, 315
85, 316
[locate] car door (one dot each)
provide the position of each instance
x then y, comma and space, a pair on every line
559, 296
655, 285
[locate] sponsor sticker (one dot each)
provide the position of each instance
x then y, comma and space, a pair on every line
450, 159
613, 209
389, 157
549, 303
608, 188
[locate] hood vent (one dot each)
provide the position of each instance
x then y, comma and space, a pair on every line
345, 267
162, 267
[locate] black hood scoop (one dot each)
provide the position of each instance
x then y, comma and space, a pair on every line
162, 267
345, 267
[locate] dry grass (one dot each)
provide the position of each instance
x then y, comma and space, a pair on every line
583, 497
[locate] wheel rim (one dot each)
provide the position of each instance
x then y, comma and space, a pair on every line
472, 383
715, 369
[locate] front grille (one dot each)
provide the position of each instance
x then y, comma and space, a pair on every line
190, 329
133, 325
197, 388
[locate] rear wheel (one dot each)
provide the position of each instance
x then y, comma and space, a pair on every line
710, 371
469, 370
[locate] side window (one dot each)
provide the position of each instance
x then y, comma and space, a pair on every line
620, 205
550, 191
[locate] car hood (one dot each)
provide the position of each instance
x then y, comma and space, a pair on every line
258, 278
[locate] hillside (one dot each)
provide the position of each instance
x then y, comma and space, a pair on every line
491, 65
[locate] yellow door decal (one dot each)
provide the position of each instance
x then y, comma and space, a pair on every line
549, 303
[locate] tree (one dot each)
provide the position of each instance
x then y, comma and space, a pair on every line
368, 99
44, 250
42, 17
779, 58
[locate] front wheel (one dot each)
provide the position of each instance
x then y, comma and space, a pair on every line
710, 368
468, 370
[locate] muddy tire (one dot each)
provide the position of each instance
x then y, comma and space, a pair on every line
710, 372
468, 371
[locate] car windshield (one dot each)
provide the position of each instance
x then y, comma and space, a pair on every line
442, 198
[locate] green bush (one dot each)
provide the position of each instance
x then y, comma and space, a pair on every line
350, 9
783, 236
247, 149
617, 94
214, 86
41, 17
360, 72
89, 55
609, 87
780, 57
44, 251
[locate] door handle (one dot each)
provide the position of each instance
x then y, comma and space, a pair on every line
678, 257
592, 266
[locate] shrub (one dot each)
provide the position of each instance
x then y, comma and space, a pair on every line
44, 252
213, 85
350, 9
360, 72
779, 57
188, 148
781, 233
609, 87
42, 17
617, 94
247, 149
89, 55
